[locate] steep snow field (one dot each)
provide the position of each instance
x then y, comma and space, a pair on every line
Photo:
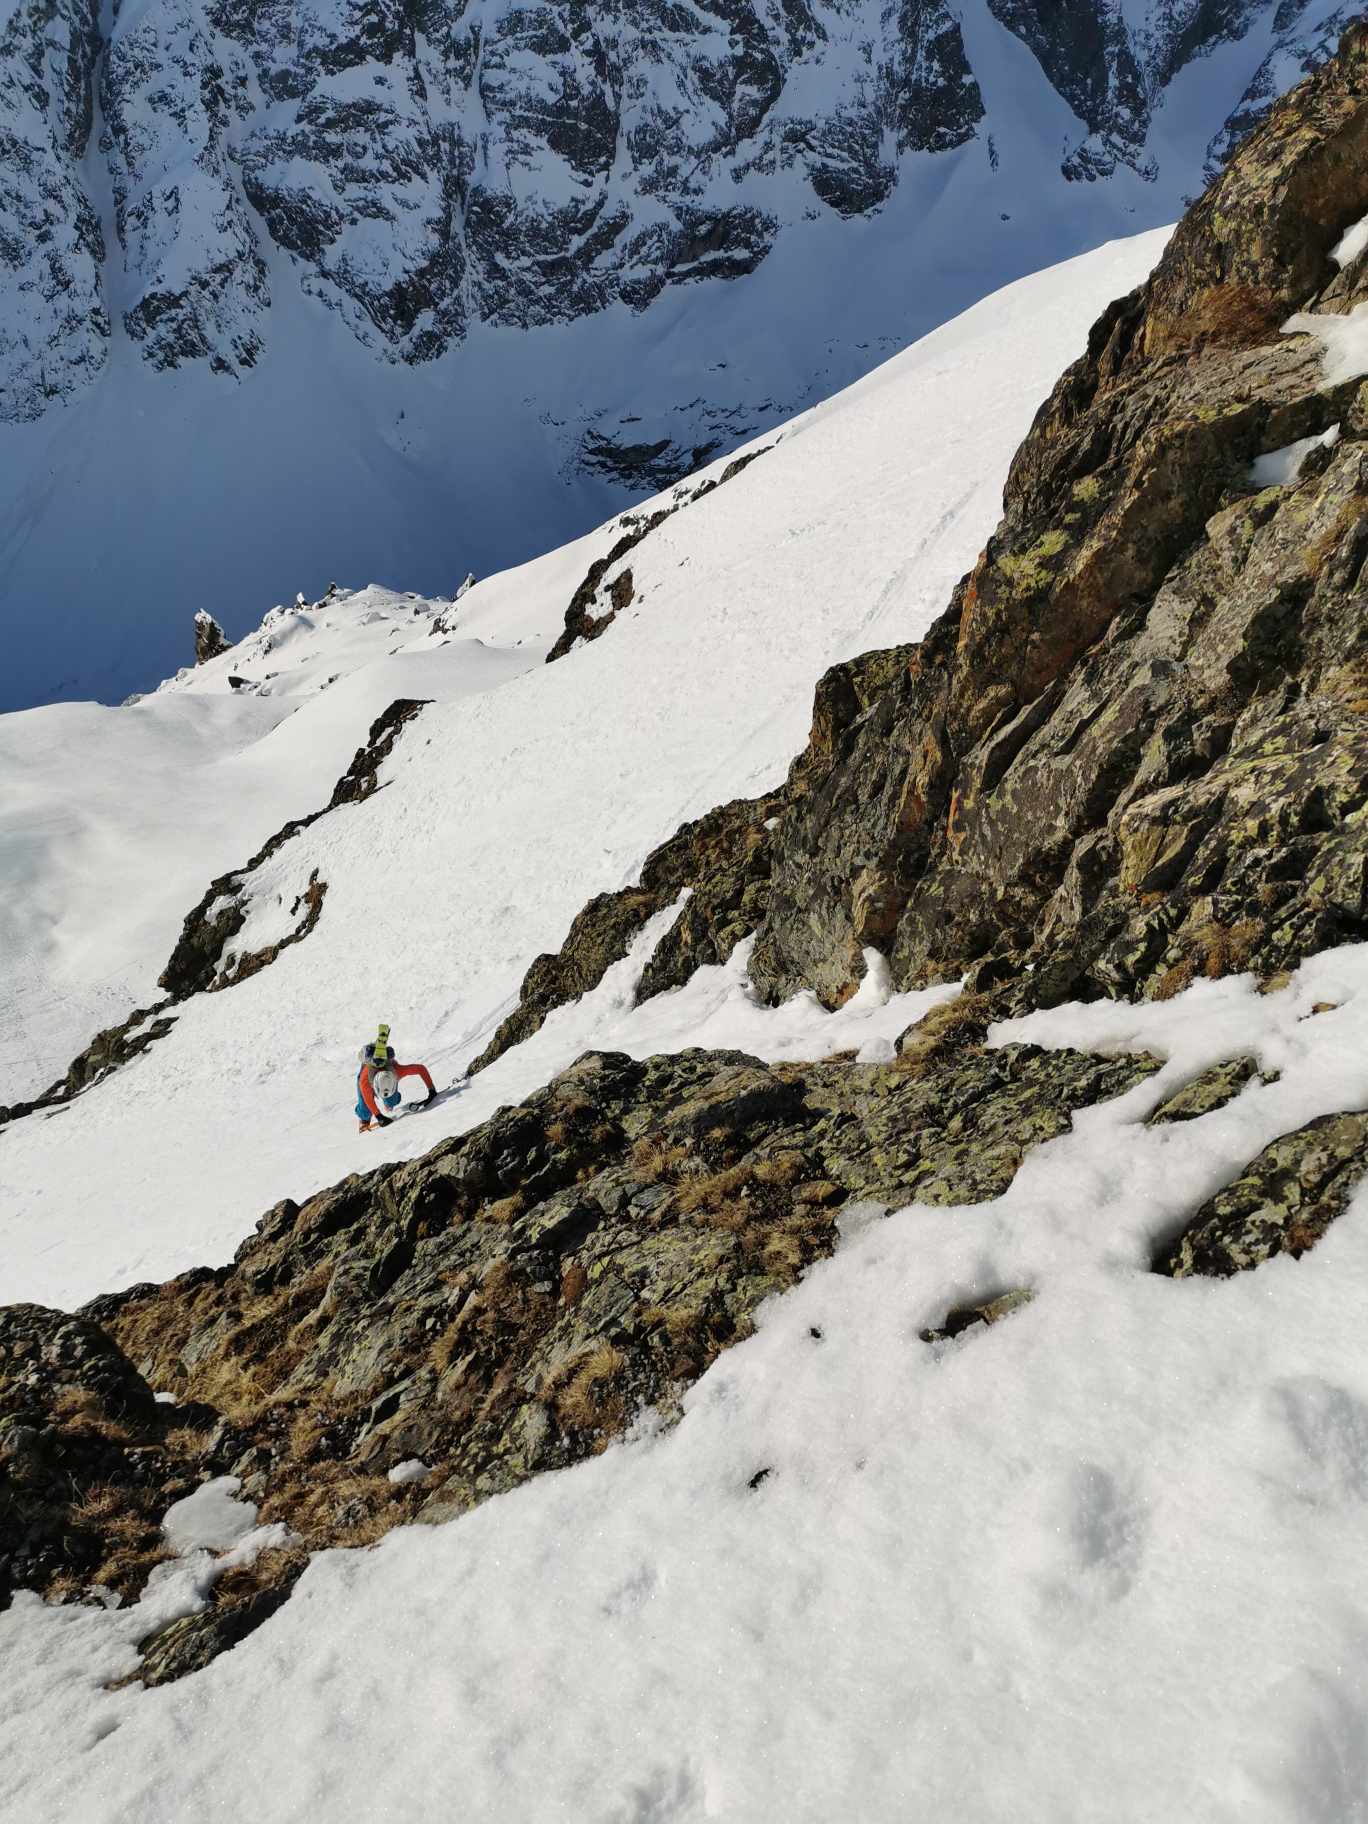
113, 821
501, 811
1102, 1561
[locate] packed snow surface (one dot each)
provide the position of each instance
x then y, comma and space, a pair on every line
210, 1519
521, 791
1102, 1560
114, 821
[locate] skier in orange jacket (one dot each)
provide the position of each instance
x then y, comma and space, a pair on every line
378, 1080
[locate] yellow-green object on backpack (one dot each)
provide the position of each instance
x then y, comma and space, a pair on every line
380, 1051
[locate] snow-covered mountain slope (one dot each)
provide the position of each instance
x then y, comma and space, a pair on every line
1039, 1493
499, 812
1101, 1560
612, 245
113, 820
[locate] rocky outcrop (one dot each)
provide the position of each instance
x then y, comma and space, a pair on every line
507, 1304
201, 961
723, 860
1134, 748
1282, 1203
83, 1478
210, 640
1211, 1090
607, 589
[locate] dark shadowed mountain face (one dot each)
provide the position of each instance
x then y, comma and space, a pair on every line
195, 189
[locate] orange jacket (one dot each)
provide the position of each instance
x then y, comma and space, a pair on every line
400, 1071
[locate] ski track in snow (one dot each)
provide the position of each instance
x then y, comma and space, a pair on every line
501, 811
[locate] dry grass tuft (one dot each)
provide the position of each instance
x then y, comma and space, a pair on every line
128, 1530
450, 1345
585, 1393
79, 1406
714, 1192
504, 1209
268, 1571
963, 1021
784, 1168
653, 1158
574, 1283
794, 1243
1175, 979
1229, 948
340, 1506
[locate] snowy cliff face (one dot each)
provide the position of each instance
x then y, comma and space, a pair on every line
434, 165
402, 291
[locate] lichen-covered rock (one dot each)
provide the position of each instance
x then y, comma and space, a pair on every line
1207, 1092
505, 1305
1134, 748
1282, 1203
83, 1479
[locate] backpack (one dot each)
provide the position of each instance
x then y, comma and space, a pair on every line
379, 1054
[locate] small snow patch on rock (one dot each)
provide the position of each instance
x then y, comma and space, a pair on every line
211, 1518
413, 1470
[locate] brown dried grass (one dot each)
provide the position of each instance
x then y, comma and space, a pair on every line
653, 1158
963, 1021
585, 1393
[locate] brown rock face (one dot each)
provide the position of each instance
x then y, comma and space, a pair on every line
1134, 747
